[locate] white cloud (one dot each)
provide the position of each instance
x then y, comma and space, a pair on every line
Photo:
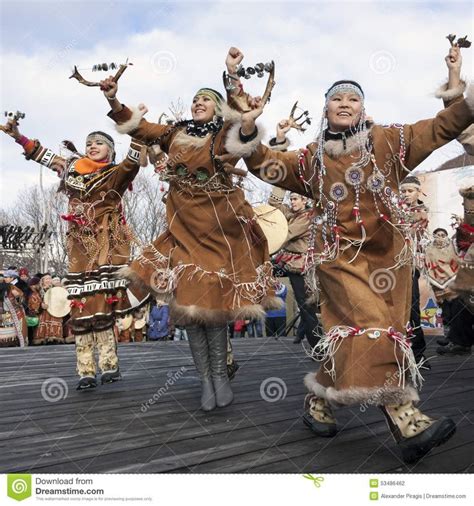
395, 52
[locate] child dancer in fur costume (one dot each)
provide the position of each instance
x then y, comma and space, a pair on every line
361, 249
213, 260
98, 242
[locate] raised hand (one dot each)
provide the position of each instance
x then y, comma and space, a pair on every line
11, 129
283, 127
249, 117
234, 57
454, 59
109, 87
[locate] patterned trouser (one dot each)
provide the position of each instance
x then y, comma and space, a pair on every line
104, 341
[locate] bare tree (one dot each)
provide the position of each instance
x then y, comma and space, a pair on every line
144, 210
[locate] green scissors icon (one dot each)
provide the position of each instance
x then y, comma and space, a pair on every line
317, 480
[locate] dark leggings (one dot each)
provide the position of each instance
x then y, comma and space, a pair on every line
307, 312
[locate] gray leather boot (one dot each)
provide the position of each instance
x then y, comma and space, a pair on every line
200, 352
217, 342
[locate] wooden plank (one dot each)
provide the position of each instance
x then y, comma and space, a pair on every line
105, 431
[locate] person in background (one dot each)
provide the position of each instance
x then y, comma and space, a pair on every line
275, 322
254, 328
461, 332
240, 327
33, 308
180, 333
50, 328
158, 321
441, 267
24, 277
291, 258
13, 330
56, 281
410, 192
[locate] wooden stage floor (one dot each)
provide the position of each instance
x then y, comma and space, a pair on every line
113, 429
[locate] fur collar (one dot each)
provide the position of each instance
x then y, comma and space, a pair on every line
334, 145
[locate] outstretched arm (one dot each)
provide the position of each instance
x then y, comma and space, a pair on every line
424, 137
454, 90
33, 150
128, 169
288, 170
131, 121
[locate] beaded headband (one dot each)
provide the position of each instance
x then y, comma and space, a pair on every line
411, 182
214, 95
344, 88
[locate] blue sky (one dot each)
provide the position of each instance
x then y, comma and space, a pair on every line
394, 49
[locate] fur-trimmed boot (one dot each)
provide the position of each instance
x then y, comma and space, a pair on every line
217, 341
318, 416
415, 433
200, 352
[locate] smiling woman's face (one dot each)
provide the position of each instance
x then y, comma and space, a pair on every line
203, 109
343, 111
97, 150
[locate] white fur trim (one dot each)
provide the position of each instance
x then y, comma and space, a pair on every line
191, 315
236, 147
313, 386
229, 114
371, 396
335, 148
469, 98
131, 124
375, 396
445, 94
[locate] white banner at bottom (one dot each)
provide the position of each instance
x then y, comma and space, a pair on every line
236, 490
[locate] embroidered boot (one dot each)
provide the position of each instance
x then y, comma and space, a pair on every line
415, 433
108, 359
318, 416
86, 367
217, 342
200, 351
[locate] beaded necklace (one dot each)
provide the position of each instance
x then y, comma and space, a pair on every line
354, 177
